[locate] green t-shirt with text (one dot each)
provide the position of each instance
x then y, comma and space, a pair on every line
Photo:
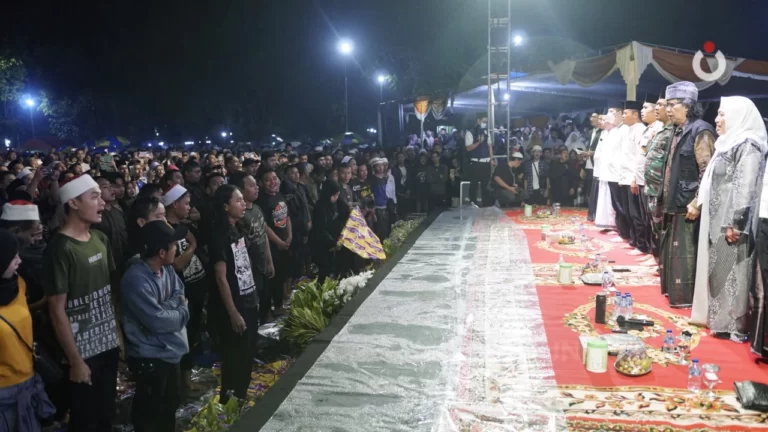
81, 270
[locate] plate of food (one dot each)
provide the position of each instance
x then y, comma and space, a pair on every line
567, 238
592, 278
543, 213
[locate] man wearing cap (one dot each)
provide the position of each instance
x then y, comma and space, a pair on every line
480, 152
589, 181
613, 159
508, 193
154, 318
22, 219
536, 178
189, 267
651, 117
79, 263
630, 201
655, 160
689, 153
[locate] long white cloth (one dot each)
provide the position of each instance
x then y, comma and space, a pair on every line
605, 216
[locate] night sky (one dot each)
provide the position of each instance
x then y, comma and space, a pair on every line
270, 66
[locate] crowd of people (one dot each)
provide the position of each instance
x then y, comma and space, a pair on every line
690, 199
128, 258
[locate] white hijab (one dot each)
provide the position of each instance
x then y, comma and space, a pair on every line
742, 122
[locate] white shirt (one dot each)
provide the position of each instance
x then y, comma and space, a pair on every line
536, 170
468, 139
650, 131
630, 152
612, 159
597, 170
763, 213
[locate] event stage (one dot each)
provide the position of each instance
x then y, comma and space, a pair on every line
471, 332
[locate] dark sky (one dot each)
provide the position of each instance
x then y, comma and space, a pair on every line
271, 66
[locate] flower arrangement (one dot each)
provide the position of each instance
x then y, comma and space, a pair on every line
313, 305
215, 417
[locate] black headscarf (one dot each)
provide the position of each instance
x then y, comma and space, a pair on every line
9, 248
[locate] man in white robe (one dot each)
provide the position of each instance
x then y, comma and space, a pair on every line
605, 217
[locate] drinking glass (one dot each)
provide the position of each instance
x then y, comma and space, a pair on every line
710, 379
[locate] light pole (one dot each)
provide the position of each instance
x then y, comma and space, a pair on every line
30, 103
381, 79
345, 48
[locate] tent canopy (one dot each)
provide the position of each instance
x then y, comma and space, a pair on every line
625, 72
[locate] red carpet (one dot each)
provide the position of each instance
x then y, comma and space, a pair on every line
611, 401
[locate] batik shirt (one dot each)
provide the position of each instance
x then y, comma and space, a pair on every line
655, 159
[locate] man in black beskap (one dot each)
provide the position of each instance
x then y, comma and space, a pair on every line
279, 232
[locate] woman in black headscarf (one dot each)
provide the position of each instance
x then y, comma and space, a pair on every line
23, 402
328, 220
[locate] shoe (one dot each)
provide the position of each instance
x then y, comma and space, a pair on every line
635, 252
649, 262
617, 240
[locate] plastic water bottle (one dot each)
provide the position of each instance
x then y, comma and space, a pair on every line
669, 343
581, 228
694, 376
606, 281
560, 261
616, 306
630, 304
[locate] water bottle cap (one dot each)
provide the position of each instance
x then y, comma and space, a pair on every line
618, 294
669, 331
695, 360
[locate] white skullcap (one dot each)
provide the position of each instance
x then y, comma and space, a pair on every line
76, 187
20, 210
173, 194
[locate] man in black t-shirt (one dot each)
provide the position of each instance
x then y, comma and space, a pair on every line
279, 232
506, 190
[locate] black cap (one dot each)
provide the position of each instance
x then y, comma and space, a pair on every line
633, 105
614, 104
651, 98
159, 234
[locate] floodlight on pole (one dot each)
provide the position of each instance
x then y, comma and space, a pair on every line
381, 79
31, 104
517, 40
224, 134
345, 48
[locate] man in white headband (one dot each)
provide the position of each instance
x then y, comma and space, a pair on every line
79, 263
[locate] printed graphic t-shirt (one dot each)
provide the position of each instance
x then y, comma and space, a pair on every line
81, 270
230, 247
194, 271
275, 213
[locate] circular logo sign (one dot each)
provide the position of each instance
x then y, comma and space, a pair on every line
709, 48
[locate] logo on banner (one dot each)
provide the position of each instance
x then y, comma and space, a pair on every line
709, 48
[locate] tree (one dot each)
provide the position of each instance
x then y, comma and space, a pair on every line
13, 75
67, 117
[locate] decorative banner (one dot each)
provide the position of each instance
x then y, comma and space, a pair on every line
359, 238
438, 108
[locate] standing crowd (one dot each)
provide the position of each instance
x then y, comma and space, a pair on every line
112, 260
